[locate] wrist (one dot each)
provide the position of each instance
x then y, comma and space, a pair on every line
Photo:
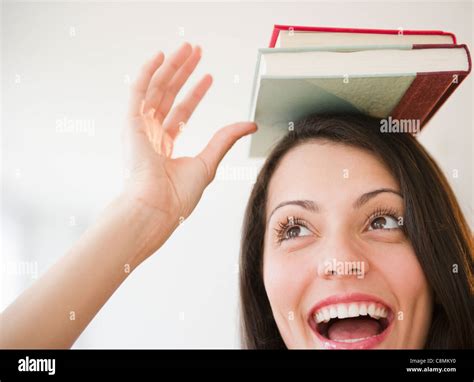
146, 227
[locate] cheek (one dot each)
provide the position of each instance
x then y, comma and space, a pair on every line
286, 277
402, 271
278, 283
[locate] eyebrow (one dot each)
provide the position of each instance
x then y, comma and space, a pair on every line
313, 207
364, 198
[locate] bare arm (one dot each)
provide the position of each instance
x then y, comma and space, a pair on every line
55, 310
161, 191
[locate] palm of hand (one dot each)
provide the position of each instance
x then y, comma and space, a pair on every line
171, 185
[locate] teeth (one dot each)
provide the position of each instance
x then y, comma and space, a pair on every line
319, 317
326, 314
351, 340
353, 309
378, 312
371, 310
342, 311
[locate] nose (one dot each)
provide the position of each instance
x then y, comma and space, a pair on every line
342, 257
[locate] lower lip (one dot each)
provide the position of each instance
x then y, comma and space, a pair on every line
368, 343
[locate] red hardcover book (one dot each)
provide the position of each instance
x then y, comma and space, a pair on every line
428, 92
413, 72
445, 37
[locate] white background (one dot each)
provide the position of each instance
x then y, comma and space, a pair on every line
72, 61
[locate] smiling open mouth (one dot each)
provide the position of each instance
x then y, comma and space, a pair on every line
356, 324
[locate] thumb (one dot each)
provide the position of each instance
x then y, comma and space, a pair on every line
221, 142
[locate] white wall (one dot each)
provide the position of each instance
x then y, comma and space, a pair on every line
71, 60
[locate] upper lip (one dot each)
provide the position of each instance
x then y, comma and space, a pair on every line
347, 298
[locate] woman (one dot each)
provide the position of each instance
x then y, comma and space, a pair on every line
353, 239
333, 193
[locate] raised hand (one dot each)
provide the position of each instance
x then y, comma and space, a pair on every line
172, 185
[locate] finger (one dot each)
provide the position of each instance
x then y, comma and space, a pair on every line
177, 83
181, 113
164, 74
140, 85
221, 143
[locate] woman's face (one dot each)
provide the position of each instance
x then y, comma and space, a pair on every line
338, 270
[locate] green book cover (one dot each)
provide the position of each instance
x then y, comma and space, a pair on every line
282, 101
278, 101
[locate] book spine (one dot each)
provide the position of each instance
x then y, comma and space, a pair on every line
427, 93
454, 84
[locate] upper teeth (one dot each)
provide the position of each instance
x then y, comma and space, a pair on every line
353, 309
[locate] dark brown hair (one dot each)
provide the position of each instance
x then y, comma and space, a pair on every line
433, 223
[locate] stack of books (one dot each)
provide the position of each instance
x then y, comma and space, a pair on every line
399, 75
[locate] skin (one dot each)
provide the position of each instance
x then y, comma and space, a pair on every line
160, 192
334, 176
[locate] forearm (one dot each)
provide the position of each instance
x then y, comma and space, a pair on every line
55, 310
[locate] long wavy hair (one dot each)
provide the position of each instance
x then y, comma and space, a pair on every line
433, 222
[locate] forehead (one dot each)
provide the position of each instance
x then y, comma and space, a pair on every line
328, 172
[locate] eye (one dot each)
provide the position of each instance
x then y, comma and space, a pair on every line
383, 222
296, 231
291, 229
